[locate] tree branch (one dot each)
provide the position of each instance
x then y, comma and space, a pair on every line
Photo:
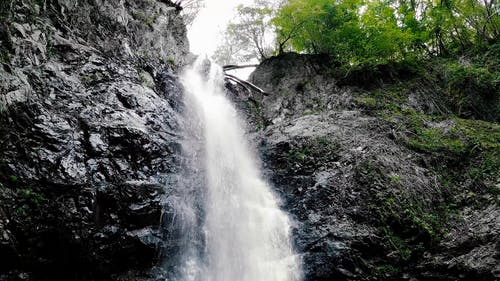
237, 66
247, 85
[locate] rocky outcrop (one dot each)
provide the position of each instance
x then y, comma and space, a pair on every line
88, 135
380, 187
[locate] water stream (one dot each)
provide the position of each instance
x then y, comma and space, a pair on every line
232, 228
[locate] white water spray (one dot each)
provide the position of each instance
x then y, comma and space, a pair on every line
246, 236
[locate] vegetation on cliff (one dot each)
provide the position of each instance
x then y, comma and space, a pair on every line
359, 32
385, 150
456, 41
428, 74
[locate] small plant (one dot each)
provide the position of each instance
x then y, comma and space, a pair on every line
4, 55
22, 211
87, 78
397, 243
310, 153
171, 61
150, 20
386, 269
395, 178
406, 223
367, 101
139, 15
31, 197
51, 51
92, 78
297, 154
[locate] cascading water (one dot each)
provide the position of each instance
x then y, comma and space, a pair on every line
234, 228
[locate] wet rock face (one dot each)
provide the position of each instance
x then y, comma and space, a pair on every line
315, 164
89, 98
367, 205
304, 86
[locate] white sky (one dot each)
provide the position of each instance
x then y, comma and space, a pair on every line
205, 32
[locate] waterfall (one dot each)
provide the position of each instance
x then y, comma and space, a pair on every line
231, 226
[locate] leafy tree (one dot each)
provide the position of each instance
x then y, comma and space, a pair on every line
249, 36
376, 31
458, 25
190, 9
360, 32
353, 31
234, 48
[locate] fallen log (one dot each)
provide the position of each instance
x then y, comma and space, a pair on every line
245, 84
237, 66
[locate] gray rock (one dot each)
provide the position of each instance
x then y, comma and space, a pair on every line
366, 205
89, 100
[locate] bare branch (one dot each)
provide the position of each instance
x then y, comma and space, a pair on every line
247, 85
238, 66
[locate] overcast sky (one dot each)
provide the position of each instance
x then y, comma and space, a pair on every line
205, 32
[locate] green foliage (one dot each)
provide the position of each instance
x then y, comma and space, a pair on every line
29, 202
93, 78
146, 17
4, 56
434, 140
471, 77
459, 25
31, 197
408, 224
310, 154
146, 79
150, 20
168, 60
473, 85
353, 31
464, 150
171, 61
397, 243
394, 178
299, 154
13, 179
458, 139
445, 136
468, 87
35, 9
386, 269
248, 36
360, 32
23, 211
256, 109
314, 150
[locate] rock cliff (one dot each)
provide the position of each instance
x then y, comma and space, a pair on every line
383, 180
88, 135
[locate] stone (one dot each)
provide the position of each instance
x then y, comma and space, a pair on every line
87, 143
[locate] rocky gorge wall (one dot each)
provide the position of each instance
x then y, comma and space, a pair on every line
382, 178
88, 135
